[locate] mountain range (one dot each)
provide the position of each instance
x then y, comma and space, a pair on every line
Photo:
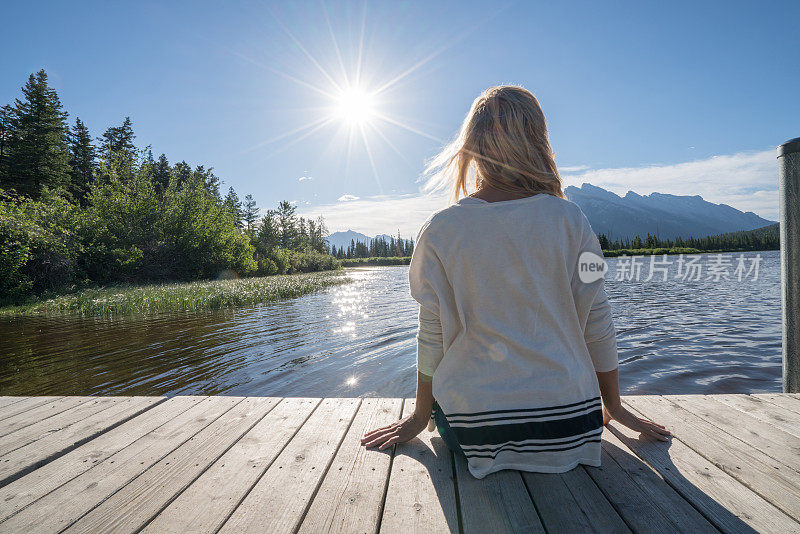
625, 217
665, 216
343, 239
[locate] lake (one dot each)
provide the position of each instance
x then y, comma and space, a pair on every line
716, 331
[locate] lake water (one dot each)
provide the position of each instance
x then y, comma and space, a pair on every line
682, 335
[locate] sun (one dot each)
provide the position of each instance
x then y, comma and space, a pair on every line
354, 97
355, 105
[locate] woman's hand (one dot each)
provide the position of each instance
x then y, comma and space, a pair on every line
613, 409
398, 432
626, 418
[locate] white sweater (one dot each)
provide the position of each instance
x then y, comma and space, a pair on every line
510, 334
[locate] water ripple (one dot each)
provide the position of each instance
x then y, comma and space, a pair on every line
359, 340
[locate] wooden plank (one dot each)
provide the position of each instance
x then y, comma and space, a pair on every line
125, 476
23, 460
649, 503
724, 501
593, 503
24, 404
8, 401
571, 501
211, 499
351, 495
29, 434
498, 502
61, 507
421, 496
33, 486
772, 441
559, 510
39, 413
784, 400
280, 498
758, 471
778, 416
132, 507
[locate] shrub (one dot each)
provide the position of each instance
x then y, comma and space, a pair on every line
39, 245
311, 261
267, 267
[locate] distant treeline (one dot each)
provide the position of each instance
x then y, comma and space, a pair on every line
766, 238
391, 260
649, 251
78, 211
379, 247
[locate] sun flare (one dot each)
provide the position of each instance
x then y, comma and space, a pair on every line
354, 96
355, 106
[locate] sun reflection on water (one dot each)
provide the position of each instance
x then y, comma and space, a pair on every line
352, 302
351, 381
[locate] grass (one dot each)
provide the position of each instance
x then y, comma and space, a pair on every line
191, 296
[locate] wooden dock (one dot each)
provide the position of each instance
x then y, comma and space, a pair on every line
244, 464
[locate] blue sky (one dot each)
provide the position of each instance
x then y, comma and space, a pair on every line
684, 98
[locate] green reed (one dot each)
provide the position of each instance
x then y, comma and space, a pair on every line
205, 295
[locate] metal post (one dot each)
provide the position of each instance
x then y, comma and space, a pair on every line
789, 167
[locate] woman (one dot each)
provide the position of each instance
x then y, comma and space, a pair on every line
514, 349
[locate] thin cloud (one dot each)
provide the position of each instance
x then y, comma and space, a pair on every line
380, 214
573, 168
347, 198
748, 181
304, 178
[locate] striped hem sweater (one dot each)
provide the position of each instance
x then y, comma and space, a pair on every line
511, 334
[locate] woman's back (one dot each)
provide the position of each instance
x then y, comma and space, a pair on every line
502, 279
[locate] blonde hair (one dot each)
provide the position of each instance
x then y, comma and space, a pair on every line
502, 143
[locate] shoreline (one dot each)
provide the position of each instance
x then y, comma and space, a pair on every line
611, 253
178, 296
615, 253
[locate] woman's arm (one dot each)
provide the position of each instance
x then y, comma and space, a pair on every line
411, 425
601, 342
613, 409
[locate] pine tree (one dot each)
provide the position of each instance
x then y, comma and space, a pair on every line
286, 223
161, 173
117, 142
269, 231
234, 206
208, 179
321, 244
35, 149
212, 183
82, 161
5, 134
182, 173
301, 243
250, 212
268, 235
